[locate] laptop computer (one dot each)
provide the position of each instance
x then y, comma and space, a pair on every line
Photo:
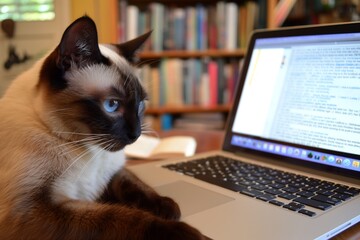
296, 119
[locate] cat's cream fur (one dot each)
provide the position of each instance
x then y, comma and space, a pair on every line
60, 178
26, 123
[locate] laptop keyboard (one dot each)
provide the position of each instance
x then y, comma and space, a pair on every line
283, 189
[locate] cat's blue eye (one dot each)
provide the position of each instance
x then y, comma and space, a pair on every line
111, 105
141, 107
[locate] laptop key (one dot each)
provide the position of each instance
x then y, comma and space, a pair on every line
330, 200
266, 197
287, 196
313, 203
251, 192
307, 212
276, 202
276, 185
355, 191
305, 194
347, 191
228, 185
342, 197
291, 189
259, 187
273, 191
325, 192
293, 206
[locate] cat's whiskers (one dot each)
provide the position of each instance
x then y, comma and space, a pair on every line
146, 128
83, 134
75, 145
94, 157
83, 153
79, 145
147, 61
86, 139
145, 124
126, 80
151, 133
59, 110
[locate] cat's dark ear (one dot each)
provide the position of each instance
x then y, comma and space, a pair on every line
129, 49
79, 44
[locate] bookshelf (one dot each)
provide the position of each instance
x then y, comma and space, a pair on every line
188, 109
168, 56
111, 14
192, 54
160, 115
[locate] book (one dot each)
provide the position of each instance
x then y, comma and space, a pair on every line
231, 25
179, 28
221, 25
148, 147
213, 83
157, 13
122, 21
155, 89
132, 22
200, 121
190, 28
221, 30
192, 81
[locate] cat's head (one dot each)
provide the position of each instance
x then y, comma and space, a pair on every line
91, 92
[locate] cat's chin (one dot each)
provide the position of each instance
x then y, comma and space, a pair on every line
117, 145
115, 148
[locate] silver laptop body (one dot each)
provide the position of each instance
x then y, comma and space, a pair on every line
297, 109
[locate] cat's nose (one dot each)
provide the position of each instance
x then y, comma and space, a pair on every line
133, 136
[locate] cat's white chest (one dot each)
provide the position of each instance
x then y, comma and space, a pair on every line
88, 176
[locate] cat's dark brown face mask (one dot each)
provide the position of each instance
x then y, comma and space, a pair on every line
91, 92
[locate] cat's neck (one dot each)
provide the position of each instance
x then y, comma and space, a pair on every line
87, 175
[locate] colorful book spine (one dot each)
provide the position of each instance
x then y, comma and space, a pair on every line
157, 13
179, 82
213, 83
179, 28
132, 22
224, 25
190, 28
231, 25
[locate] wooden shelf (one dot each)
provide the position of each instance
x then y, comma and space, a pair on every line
187, 109
178, 3
192, 54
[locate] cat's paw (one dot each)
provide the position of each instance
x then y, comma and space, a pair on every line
174, 230
166, 208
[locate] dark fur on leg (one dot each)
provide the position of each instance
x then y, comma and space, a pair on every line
126, 188
88, 220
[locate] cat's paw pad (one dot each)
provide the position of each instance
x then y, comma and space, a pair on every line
167, 208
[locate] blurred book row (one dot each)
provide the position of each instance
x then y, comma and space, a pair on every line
177, 82
222, 25
189, 121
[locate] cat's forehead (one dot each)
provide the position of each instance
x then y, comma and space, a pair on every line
115, 58
103, 77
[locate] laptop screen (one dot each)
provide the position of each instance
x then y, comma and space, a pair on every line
300, 97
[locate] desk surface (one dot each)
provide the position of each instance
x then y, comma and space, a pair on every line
212, 140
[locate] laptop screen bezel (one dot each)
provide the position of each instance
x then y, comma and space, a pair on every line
284, 32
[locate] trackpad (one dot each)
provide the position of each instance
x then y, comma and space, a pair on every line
191, 198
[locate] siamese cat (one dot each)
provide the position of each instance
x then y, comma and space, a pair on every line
63, 126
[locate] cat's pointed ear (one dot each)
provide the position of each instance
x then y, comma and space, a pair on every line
79, 44
129, 49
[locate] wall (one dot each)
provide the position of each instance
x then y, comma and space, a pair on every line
35, 38
104, 13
